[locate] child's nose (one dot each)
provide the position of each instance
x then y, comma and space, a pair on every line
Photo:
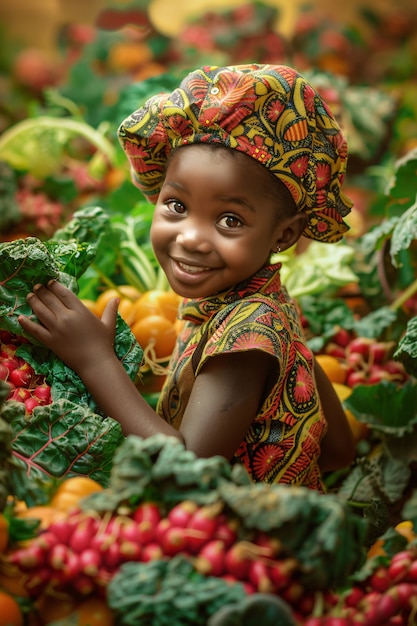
194, 239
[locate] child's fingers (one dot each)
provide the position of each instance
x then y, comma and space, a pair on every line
33, 328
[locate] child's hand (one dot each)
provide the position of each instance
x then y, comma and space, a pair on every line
68, 328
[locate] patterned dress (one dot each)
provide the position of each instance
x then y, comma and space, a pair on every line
283, 442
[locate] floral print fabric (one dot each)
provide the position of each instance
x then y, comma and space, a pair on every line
283, 443
269, 112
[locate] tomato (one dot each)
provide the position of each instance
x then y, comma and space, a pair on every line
123, 291
158, 332
72, 490
332, 367
4, 533
94, 612
157, 302
10, 612
360, 430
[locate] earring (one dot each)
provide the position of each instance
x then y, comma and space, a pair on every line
278, 249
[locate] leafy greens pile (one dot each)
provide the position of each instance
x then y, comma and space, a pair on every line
71, 433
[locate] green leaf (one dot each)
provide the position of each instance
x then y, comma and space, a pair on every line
402, 186
406, 351
63, 439
36, 145
386, 406
405, 232
25, 262
374, 324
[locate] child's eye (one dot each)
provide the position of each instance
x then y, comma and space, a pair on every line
230, 221
175, 206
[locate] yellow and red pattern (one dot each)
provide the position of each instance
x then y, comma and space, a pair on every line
283, 442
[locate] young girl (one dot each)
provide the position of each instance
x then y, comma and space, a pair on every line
240, 162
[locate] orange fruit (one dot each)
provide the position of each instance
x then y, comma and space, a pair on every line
122, 291
406, 529
127, 310
156, 331
157, 302
332, 367
72, 490
360, 430
10, 612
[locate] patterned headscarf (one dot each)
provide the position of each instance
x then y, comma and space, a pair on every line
271, 113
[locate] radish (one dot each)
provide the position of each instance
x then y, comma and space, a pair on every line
82, 534
147, 511
226, 531
61, 529
380, 351
58, 556
380, 579
354, 596
258, 575
210, 560
342, 337
146, 532
152, 552
22, 376
129, 531
237, 561
130, 550
181, 514
399, 566
29, 558
47, 540
281, 571
89, 561
4, 372
361, 345
173, 541
161, 528
111, 556
20, 394
43, 393
31, 403
10, 363
333, 349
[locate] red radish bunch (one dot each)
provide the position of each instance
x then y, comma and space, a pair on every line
388, 597
82, 552
25, 386
367, 361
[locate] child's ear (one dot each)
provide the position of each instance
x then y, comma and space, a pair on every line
290, 230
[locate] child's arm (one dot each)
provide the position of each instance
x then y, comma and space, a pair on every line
225, 396
337, 446
86, 344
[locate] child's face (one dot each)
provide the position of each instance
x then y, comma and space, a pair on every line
214, 225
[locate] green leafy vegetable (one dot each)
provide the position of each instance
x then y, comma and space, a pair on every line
65, 438
406, 351
25, 262
258, 608
168, 593
320, 268
386, 406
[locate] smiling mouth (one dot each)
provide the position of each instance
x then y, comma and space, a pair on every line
192, 269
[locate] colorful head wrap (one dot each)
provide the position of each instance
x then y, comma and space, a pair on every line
271, 113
